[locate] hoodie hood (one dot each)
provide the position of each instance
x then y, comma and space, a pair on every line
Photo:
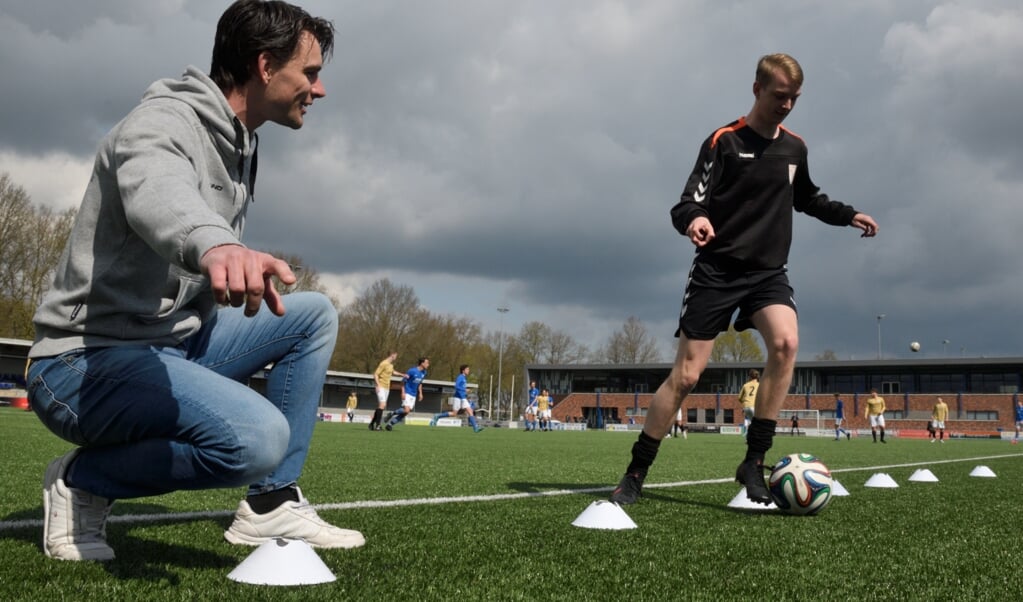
202, 94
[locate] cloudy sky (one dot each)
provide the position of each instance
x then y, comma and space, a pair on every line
525, 154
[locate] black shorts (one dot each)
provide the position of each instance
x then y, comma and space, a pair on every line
713, 294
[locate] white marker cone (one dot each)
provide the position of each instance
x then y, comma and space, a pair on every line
982, 471
881, 480
603, 514
741, 500
282, 562
837, 489
923, 476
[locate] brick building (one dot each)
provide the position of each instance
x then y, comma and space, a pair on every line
980, 392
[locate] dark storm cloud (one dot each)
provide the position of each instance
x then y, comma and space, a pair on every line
533, 150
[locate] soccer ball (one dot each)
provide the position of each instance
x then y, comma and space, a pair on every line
914, 346
800, 484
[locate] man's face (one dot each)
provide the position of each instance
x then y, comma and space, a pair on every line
426, 364
775, 100
294, 85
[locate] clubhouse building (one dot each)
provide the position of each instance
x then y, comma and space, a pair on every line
980, 392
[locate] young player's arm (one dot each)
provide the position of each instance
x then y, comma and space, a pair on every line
690, 215
807, 198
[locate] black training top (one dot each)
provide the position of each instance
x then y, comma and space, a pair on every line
747, 186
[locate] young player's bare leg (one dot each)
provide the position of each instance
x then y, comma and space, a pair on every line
778, 326
690, 361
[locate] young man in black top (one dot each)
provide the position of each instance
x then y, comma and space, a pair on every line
736, 209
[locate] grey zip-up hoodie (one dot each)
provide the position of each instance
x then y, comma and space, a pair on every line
172, 180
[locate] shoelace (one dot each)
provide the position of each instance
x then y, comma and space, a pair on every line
305, 508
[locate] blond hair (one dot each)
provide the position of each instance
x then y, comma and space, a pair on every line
768, 63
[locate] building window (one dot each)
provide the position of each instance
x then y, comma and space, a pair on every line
691, 415
985, 415
709, 415
729, 416
889, 387
993, 383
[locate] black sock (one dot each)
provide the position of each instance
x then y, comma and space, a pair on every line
644, 451
882, 434
377, 413
759, 438
265, 502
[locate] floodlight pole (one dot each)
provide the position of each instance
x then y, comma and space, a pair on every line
500, 355
511, 401
879, 318
944, 345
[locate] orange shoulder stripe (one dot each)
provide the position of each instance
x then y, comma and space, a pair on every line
737, 125
788, 131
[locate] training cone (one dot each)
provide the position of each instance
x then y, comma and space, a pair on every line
837, 489
741, 500
604, 515
881, 480
923, 476
282, 562
982, 471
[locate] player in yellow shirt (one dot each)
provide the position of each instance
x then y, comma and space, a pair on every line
543, 405
938, 417
748, 398
875, 414
382, 380
353, 402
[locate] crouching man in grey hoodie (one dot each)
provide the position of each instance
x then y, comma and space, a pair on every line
159, 314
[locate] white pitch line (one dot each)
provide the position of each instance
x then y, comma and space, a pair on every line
433, 501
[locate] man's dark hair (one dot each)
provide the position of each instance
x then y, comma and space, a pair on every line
463, 367
250, 27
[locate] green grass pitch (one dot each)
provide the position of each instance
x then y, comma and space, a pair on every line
452, 515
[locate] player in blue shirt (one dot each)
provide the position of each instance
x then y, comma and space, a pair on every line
460, 401
839, 418
531, 406
411, 393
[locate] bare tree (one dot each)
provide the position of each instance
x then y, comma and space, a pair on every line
31, 242
382, 319
539, 343
562, 348
448, 341
632, 344
532, 341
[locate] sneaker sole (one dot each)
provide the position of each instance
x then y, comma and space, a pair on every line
349, 542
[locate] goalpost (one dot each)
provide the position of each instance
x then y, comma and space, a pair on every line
809, 422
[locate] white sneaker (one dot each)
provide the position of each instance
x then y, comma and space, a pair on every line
290, 520
75, 527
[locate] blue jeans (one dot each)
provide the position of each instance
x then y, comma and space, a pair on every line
151, 420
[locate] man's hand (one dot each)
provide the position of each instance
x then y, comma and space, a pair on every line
700, 231
241, 276
866, 223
